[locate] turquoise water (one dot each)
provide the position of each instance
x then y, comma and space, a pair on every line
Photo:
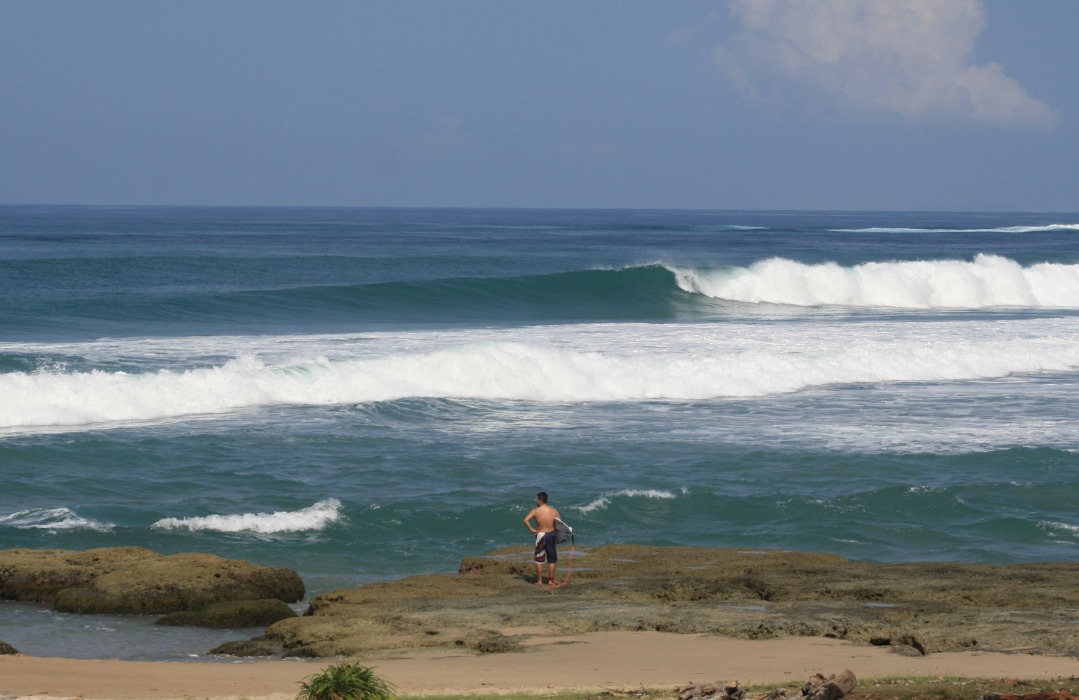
366, 394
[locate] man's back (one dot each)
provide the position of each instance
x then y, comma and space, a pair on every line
545, 516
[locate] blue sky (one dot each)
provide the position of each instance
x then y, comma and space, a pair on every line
736, 104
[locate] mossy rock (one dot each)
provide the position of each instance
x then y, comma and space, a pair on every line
233, 614
487, 641
137, 581
180, 582
39, 574
259, 646
6, 648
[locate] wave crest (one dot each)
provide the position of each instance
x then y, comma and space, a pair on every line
313, 518
603, 501
1001, 229
53, 519
565, 364
989, 281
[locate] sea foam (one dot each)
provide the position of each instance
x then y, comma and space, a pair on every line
988, 281
1001, 229
54, 519
562, 364
314, 518
1059, 528
605, 500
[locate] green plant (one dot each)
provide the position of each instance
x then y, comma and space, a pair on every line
345, 681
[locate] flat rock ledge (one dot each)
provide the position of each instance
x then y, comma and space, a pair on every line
493, 605
137, 581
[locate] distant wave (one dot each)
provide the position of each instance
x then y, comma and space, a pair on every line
313, 518
1003, 229
566, 364
52, 519
637, 292
649, 292
988, 281
605, 500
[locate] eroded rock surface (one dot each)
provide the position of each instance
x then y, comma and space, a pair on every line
133, 580
232, 614
915, 608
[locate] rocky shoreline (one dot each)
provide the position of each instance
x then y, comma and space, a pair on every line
187, 589
493, 605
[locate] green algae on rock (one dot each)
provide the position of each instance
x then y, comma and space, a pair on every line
133, 580
232, 614
751, 594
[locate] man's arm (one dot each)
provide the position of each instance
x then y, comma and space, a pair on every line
531, 514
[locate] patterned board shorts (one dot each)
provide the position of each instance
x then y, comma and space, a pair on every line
545, 548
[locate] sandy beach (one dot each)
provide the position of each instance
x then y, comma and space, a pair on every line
602, 660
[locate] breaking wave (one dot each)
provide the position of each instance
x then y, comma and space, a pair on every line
561, 364
1001, 229
314, 518
605, 500
988, 281
54, 519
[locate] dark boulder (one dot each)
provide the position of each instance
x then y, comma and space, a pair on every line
234, 614
259, 646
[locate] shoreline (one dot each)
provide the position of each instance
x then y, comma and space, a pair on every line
593, 662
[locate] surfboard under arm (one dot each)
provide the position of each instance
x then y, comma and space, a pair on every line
563, 532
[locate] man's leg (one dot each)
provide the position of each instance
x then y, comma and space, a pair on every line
550, 574
540, 558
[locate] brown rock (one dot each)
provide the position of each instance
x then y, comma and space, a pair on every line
259, 646
232, 614
831, 688
749, 594
39, 574
133, 580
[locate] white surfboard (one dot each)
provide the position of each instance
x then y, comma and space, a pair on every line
562, 531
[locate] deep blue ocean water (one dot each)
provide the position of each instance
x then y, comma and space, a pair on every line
365, 394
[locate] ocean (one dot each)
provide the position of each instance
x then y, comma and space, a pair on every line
366, 394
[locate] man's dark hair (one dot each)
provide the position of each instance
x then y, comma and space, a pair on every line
542, 496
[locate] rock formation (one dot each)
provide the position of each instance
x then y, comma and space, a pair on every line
133, 580
751, 594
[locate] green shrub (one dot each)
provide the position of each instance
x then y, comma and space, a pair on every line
345, 681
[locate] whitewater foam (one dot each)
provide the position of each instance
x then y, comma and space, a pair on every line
313, 518
1059, 528
563, 364
989, 281
54, 519
1001, 229
605, 500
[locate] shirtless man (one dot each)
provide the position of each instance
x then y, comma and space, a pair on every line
544, 516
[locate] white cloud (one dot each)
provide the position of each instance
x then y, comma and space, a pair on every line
914, 57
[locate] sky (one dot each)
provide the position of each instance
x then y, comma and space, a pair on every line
926, 105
